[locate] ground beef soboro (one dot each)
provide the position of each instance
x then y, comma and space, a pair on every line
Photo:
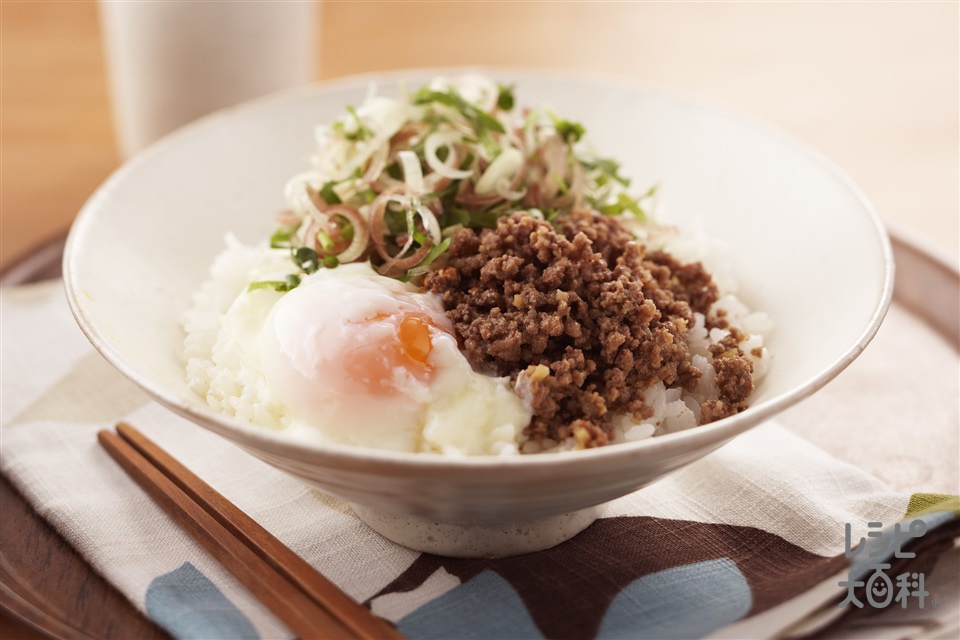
577, 315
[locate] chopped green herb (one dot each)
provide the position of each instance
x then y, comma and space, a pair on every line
346, 232
328, 194
481, 120
561, 184
291, 282
278, 285
394, 171
607, 167
359, 130
623, 204
326, 242
282, 236
435, 119
307, 259
505, 97
480, 137
435, 252
458, 217
450, 189
479, 219
490, 144
395, 220
571, 132
451, 229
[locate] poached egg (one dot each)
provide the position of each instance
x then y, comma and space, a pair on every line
358, 358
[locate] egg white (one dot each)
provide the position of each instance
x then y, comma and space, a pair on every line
281, 360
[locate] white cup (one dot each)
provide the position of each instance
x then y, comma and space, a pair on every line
171, 61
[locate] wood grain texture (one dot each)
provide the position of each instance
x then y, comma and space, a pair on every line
55, 129
143, 458
290, 605
354, 618
44, 581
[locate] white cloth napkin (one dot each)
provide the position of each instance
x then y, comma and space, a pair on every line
57, 392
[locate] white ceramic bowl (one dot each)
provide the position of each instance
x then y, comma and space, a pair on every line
809, 250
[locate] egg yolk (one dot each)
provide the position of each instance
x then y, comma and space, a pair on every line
375, 365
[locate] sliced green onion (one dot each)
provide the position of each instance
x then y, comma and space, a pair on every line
623, 204
480, 119
607, 167
435, 252
326, 242
571, 132
505, 98
328, 194
292, 281
307, 259
282, 236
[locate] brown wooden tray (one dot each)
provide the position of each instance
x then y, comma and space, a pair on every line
48, 590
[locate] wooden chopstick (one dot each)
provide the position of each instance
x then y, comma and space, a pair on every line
311, 605
261, 541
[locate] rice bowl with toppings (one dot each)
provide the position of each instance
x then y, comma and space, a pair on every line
796, 228
461, 276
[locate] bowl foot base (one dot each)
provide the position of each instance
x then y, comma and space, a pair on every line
477, 540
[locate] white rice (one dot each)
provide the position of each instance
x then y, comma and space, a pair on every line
223, 368
675, 409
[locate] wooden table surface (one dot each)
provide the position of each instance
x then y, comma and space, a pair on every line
874, 86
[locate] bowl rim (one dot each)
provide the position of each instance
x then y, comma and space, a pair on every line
342, 455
